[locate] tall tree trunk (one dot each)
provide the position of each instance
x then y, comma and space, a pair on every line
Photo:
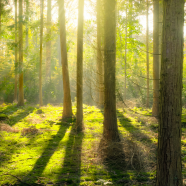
79, 118
16, 65
48, 43
160, 31
125, 85
27, 7
21, 91
147, 53
110, 132
99, 57
155, 107
169, 168
67, 105
0, 18
41, 53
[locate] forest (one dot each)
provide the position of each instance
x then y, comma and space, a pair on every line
92, 92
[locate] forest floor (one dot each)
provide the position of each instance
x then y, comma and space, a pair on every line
38, 148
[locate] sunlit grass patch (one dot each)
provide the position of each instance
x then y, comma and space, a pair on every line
56, 154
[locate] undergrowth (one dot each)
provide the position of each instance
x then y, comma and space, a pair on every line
44, 150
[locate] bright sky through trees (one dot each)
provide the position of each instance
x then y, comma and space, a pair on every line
71, 14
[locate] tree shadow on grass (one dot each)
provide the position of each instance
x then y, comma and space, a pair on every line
133, 171
126, 123
113, 158
9, 109
12, 120
139, 150
7, 149
48, 151
10, 146
71, 169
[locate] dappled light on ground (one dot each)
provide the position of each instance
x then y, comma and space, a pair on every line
56, 154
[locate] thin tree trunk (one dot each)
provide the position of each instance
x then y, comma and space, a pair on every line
27, 4
155, 107
16, 65
48, 43
130, 18
0, 18
125, 85
147, 53
160, 31
21, 91
169, 167
110, 132
67, 105
99, 58
41, 53
79, 118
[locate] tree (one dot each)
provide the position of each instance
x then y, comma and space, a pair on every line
0, 18
147, 51
21, 91
79, 117
155, 106
67, 105
48, 43
15, 85
99, 57
169, 168
125, 85
26, 18
110, 132
41, 53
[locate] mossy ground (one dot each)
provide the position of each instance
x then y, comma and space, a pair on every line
57, 155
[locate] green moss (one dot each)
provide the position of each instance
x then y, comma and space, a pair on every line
57, 154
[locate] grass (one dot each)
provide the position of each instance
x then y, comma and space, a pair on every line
56, 155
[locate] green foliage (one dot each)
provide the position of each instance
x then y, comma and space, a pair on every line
53, 89
136, 55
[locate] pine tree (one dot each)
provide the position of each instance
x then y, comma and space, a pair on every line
67, 104
21, 91
169, 168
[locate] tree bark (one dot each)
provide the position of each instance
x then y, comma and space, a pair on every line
48, 43
160, 31
67, 105
110, 131
100, 78
169, 168
147, 53
41, 53
79, 118
16, 65
155, 107
0, 18
27, 4
125, 85
21, 91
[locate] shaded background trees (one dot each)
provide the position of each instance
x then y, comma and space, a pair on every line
130, 53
